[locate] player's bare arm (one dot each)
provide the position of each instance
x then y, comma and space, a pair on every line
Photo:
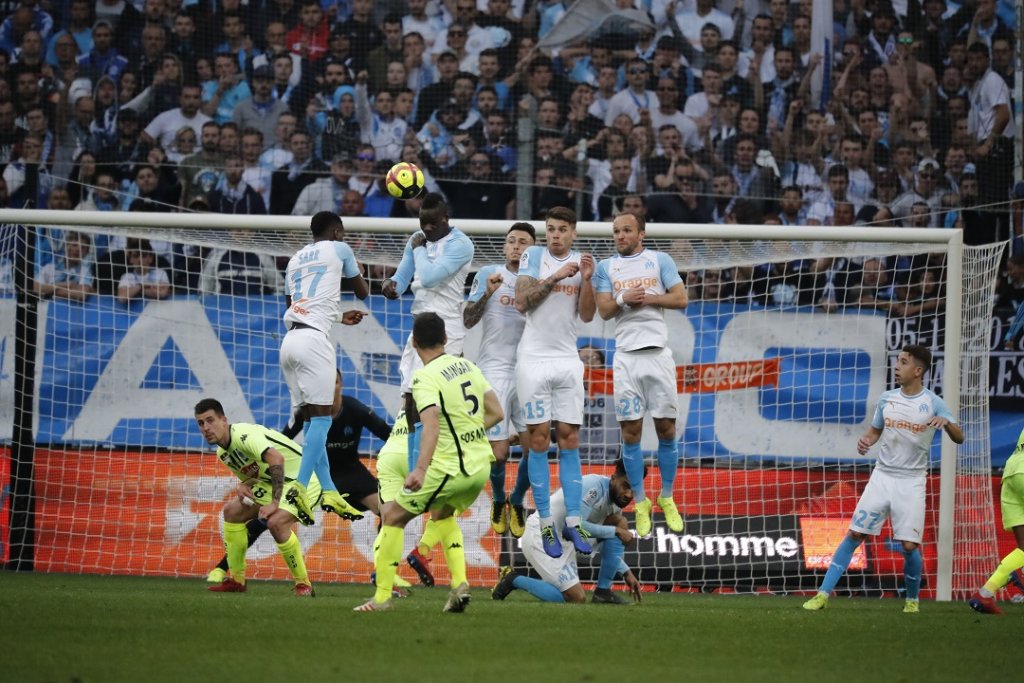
587, 305
493, 413
953, 430
865, 442
530, 292
474, 311
428, 442
275, 468
675, 298
357, 285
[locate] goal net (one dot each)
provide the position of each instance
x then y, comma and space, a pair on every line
789, 338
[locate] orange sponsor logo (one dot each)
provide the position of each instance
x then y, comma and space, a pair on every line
912, 427
705, 378
644, 282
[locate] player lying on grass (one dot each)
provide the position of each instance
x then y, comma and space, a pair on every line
266, 462
904, 427
456, 407
350, 417
603, 523
1011, 500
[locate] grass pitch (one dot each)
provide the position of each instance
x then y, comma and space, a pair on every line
101, 629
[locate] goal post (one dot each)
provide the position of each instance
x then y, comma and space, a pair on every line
777, 372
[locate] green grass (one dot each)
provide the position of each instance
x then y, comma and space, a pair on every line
106, 629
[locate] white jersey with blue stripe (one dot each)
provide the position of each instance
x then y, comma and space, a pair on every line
437, 273
313, 281
502, 324
906, 439
644, 327
552, 326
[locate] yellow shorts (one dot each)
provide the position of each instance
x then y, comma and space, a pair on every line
1011, 500
391, 473
262, 491
440, 489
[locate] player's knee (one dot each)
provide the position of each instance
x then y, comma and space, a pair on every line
617, 520
909, 547
856, 535
576, 594
666, 429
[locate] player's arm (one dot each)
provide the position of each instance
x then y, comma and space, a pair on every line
373, 422
485, 284
357, 285
294, 426
674, 298
954, 432
944, 420
587, 305
455, 256
607, 307
430, 420
351, 273
275, 468
865, 442
493, 413
396, 285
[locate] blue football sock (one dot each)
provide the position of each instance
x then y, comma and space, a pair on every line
633, 459
668, 465
412, 442
540, 482
314, 450
538, 589
498, 481
840, 561
612, 551
522, 484
912, 572
570, 474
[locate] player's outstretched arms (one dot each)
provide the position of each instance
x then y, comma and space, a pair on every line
493, 414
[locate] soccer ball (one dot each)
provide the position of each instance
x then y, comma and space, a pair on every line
404, 180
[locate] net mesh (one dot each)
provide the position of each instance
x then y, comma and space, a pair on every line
780, 358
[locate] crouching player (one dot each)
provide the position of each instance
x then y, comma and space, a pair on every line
456, 406
603, 500
267, 463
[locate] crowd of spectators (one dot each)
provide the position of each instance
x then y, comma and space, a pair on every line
708, 115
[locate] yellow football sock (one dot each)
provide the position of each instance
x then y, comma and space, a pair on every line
454, 550
236, 541
431, 537
387, 553
1010, 564
291, 551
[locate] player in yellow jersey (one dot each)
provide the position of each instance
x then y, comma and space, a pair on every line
266, 463
1011, 500
456, 407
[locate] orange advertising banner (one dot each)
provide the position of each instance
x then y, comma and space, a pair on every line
700, 378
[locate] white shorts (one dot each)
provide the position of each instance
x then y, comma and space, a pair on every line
504, 386
899, 497
309, 364
551, 390
411, 360
645, 384
560, 572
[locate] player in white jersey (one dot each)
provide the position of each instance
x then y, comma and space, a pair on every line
603, 500
492, 301
904, 427
555, 291
314, 279
634, 288
435, 264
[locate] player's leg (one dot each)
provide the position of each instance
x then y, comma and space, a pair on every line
387, 553
409, 364
557, 574
499, 515
1011, 501
307, 360
872, 510
254, 529
459, 494
235, 515
612, 552
629, 414
908, 498
661, 402
517, 512
282, 528
567, 409
668, 467
532, 388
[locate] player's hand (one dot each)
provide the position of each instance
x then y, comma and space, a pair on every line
625, 535
389, 289
568, 270
244, 492
635, 296
418, 240
267, 510
587, 266
634, 587
938, 422
414, 481
352, 317
864, 444
493, 282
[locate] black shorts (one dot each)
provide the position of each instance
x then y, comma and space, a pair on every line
353, 478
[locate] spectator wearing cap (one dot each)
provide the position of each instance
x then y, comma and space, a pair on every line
925, 190
436, 94
692, 22
364, 33
635, 101
289, 180
389, 51
379, 126
221, 96
417, 21
231, 194
309, 38
991, 124
262, 109
104, 59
